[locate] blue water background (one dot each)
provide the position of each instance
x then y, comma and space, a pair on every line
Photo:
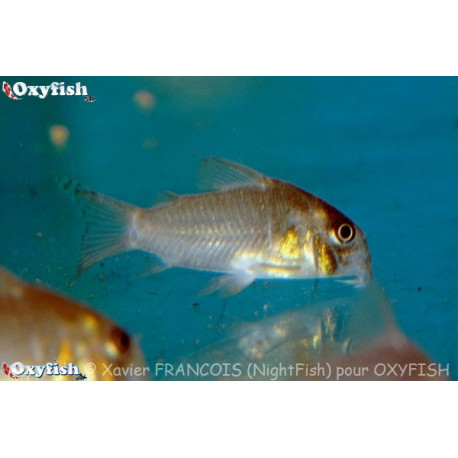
382, 150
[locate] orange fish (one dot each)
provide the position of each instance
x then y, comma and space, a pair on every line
39, 327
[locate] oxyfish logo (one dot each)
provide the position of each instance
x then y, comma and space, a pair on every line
17, 369
20, 89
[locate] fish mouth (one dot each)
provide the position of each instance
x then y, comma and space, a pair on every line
361, 272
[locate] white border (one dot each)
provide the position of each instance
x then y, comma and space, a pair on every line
232, 419
235, 37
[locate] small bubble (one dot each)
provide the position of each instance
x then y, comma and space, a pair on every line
144, 100
149, 143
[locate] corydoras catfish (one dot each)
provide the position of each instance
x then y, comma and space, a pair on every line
247, 226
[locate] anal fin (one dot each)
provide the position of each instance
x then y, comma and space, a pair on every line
153, 266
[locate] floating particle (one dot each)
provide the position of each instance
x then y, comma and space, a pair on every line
149, 143
58, 134
144, 100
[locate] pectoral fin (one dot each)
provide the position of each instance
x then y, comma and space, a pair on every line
217, 174
228, 285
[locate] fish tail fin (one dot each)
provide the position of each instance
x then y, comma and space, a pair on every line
108, 223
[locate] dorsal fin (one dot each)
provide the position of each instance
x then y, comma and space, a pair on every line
217, 174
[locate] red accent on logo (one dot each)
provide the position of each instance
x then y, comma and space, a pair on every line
8, 372
8, 92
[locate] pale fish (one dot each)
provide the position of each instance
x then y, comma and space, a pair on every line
38, 326
350, 337
247, 226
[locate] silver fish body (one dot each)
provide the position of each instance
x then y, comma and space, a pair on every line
213, 231
249, 226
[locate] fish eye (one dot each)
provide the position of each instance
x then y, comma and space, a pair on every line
345, 233
120, 339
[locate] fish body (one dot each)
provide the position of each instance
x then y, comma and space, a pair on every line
38, 326
249, 226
